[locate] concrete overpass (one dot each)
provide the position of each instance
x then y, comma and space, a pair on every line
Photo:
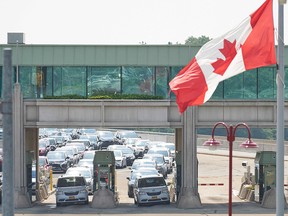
30, 115
144, 113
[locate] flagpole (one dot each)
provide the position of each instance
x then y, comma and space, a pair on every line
280, 114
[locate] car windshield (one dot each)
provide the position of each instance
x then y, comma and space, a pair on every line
69, 151
171, 147
158, 151
52, 141
55, 155
42, 144
85, 163
58, 138
143, 172
80, 146
70, 182
89, 130
89, 155
92, 138
143, 144
151, 182
127, 151
158, 159
105, 134
129, 134
82, 172
117, 153
42, 161
147, 163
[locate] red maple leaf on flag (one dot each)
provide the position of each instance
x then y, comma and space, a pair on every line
229, 51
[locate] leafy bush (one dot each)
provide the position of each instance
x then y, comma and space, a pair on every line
126, 96
108, 96
65, 97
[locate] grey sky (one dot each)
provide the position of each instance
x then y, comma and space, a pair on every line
123, 21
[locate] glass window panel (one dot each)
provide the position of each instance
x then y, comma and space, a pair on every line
162, 81
28, 81
69, 81
48, 81
103, 80
266, 83
138, 80
250, 84
174, 71
233, 87
218, 93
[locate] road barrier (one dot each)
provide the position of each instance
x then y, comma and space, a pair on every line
212, 184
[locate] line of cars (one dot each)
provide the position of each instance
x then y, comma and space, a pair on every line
129, 149
146, 183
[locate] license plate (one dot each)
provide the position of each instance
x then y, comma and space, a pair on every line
154, 197
71, 197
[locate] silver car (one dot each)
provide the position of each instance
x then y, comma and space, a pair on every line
85, 172
150, 190
71, 189
144, 171
167, 156
160, 161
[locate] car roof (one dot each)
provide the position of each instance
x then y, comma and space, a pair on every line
159, 148
152, 155
150, 176
56, 152
69, 176
79, 168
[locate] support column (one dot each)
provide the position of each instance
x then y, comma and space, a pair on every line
20, 191
189, 196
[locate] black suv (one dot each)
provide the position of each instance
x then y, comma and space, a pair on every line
105, 138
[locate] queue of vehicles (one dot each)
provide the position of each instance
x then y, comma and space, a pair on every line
150, 163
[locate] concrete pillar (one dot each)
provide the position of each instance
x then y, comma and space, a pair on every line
178, 139
20, 191
189, 196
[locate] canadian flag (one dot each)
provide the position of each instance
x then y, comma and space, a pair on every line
249, 45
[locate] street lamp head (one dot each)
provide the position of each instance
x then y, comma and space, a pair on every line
212, 144
248, 144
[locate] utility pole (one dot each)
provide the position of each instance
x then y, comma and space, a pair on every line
8, 158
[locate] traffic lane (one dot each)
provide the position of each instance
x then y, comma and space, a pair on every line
121, 183
212, 169
213, 177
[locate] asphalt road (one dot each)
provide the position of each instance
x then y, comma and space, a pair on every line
213, 169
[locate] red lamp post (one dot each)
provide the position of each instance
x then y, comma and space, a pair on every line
231, 130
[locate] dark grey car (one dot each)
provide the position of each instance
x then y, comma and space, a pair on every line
59, 160
105, 139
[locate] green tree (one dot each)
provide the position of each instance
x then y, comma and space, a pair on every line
197, 41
